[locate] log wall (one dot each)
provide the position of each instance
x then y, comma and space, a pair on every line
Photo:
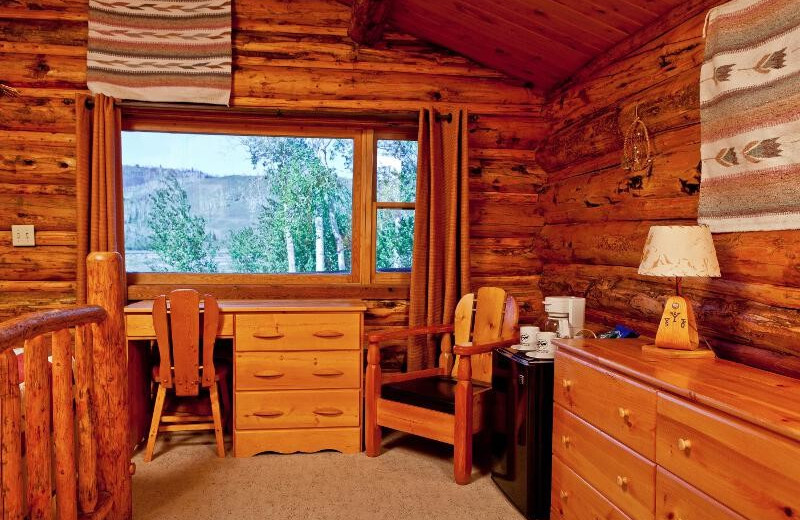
286, 55
597, 215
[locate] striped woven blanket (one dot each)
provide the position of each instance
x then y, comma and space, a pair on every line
160, 50
750, 116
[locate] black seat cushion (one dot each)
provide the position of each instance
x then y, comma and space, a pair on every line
435, 392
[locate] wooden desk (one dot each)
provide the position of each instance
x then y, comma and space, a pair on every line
285, 352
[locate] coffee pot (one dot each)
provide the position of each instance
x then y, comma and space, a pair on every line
565, 315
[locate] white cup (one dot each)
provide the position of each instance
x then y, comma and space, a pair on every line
545, 349
527, 336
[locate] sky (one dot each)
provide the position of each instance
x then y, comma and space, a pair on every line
212, 154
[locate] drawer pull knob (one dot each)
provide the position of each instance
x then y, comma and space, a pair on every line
564, 495
327, 372
565, 440
328, 334
267, 335
328, 412
622, 482
566, 383
268, 413
685, 445
268, 374
625, 415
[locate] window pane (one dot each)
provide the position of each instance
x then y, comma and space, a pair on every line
395, 239
397, 170
237, 204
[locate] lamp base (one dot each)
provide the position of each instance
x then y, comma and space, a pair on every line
678, 327
656, 352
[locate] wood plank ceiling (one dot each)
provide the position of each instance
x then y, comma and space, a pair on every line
543, 42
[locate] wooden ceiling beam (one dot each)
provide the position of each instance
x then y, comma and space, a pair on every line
368, 21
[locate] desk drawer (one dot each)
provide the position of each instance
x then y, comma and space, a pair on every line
297, 370
296, 409
141, 326
573, 499
754, 472
624, 477
298, 331
675, 499
619, 406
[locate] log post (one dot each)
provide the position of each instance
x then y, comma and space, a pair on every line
368, 21
372, 382
462, 436
11, 484
87, 448
64, 426
104, 274
37, 429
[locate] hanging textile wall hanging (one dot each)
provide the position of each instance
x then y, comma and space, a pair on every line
163, 50
750, 117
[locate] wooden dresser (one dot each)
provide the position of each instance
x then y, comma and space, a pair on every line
297, 372
671, 439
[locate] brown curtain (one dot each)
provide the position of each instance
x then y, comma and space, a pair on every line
440, 265
99, 180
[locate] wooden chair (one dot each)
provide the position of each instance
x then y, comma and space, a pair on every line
432, 403
185, 367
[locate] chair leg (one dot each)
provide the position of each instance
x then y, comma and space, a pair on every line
214, 396
462, 438
155, 423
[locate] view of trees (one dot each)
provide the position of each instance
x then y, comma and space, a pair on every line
295, 216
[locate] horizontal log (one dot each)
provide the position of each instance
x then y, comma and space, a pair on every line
732, 314
43, 34
34, 163
505, 176
43, 71
38, 263
504, 256
503, 215
502, 131
40, 110
22, 297
44, 238
768, 257
46, 212
365, 105
386, 313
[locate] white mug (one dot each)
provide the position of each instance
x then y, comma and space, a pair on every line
545, 349
527, 336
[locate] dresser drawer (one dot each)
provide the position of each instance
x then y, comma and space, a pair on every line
752, 471
298, 331
677, 500
141, 326
618, 473
297, 370
296, 409
619, 406
573, 499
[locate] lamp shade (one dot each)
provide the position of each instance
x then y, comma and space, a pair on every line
679, 251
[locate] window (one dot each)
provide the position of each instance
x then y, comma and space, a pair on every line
258, 203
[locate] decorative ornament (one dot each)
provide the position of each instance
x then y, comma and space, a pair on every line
5, 90
637, 152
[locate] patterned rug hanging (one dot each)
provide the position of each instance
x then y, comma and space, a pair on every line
162, 50
750, 117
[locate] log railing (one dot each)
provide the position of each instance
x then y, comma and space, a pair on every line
71, 448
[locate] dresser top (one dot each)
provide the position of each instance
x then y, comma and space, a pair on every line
769, 400
146, 306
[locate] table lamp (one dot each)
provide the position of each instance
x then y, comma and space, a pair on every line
678, 251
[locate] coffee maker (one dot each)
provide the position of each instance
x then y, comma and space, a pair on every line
566, 314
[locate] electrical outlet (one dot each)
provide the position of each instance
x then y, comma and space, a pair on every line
22, 236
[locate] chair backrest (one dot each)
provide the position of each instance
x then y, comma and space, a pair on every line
490, 316
176, 320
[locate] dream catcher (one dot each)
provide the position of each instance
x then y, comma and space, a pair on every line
637, 152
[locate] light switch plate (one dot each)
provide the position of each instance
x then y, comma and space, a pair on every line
22, 236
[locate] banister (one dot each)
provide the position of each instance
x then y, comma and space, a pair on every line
27, 326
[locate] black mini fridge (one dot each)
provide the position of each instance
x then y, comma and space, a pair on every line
521, 427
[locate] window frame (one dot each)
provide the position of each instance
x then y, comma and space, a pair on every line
363, 132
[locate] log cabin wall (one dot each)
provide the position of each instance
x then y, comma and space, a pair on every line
287, 54
597, 215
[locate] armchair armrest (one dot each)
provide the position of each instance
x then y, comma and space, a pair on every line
405, 333
472, 350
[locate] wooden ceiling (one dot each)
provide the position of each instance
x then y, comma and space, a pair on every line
540, 41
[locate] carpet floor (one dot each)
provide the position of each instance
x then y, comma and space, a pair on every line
412, 479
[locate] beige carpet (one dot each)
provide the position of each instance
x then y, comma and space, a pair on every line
412, 479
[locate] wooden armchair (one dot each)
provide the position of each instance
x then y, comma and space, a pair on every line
432, 403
